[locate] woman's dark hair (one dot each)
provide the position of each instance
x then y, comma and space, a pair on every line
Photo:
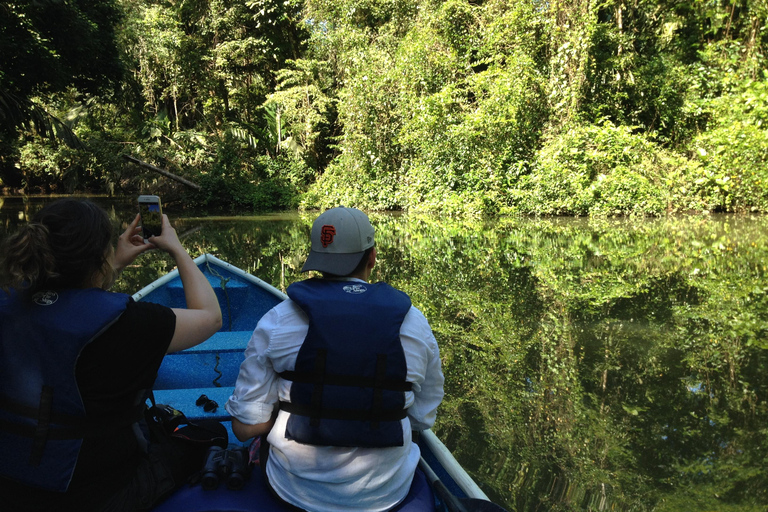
63, 246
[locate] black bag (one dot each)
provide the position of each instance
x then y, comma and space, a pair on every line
164, 422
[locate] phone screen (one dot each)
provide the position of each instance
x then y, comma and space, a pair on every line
151, 213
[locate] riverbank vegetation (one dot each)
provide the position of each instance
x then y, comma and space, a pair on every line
456, 107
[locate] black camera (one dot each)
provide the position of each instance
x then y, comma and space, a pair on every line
230, 465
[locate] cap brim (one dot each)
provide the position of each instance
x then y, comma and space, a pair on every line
336, 264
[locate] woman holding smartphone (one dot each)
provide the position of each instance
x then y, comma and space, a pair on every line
76, 361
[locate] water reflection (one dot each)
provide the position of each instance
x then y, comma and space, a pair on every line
590, 364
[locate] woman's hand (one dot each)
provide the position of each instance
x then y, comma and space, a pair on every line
129, 245
168, 240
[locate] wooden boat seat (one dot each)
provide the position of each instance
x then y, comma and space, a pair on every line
222, 341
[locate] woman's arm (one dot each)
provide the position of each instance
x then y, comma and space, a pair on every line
202, 316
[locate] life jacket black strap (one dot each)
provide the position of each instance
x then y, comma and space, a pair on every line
348, 380
319, 378
28, 411
52, 425
345, 414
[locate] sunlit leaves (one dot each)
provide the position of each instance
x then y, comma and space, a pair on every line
733, 152
301, 101
596, 170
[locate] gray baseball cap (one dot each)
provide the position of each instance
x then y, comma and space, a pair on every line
340, 236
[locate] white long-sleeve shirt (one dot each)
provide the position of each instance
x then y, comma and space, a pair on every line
328, 478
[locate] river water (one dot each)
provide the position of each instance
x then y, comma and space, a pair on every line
590, 364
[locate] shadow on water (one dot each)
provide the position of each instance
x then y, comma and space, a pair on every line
590, 364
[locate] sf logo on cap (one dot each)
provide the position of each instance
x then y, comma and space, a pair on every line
326, 235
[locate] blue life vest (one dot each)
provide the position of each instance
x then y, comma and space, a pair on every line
348, 386
42, 416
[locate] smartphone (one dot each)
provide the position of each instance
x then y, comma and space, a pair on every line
151, 212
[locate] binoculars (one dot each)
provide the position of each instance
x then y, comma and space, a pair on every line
230, 465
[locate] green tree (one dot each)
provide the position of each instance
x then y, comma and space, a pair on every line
301, 101
204, 69
47, 47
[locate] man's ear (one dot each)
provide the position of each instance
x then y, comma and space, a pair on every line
372, 258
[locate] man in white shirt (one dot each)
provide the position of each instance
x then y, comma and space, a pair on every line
338, 376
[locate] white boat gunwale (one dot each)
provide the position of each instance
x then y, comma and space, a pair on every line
209, 258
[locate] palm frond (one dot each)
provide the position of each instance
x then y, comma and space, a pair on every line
246, 132
18, 112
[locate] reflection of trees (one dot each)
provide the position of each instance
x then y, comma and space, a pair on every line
589, 363
274, 250
607, 362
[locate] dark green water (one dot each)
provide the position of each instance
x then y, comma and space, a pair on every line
590, 364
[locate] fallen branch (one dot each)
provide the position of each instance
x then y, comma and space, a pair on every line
165, 173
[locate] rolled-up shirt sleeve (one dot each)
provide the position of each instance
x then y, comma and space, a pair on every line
255, 394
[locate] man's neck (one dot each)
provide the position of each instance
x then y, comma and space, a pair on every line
345, 278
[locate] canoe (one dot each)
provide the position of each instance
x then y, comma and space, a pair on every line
211, 369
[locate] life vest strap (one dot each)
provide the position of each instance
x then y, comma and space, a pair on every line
348, 380
54, 425
344, 414
14, 407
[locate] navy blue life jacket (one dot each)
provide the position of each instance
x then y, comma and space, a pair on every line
348, 386
42, 416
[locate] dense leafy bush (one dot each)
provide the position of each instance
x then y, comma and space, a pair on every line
435, 123
734, 151
48, 166
257, 185
598, 169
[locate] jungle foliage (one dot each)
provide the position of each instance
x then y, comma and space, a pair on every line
456, 106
